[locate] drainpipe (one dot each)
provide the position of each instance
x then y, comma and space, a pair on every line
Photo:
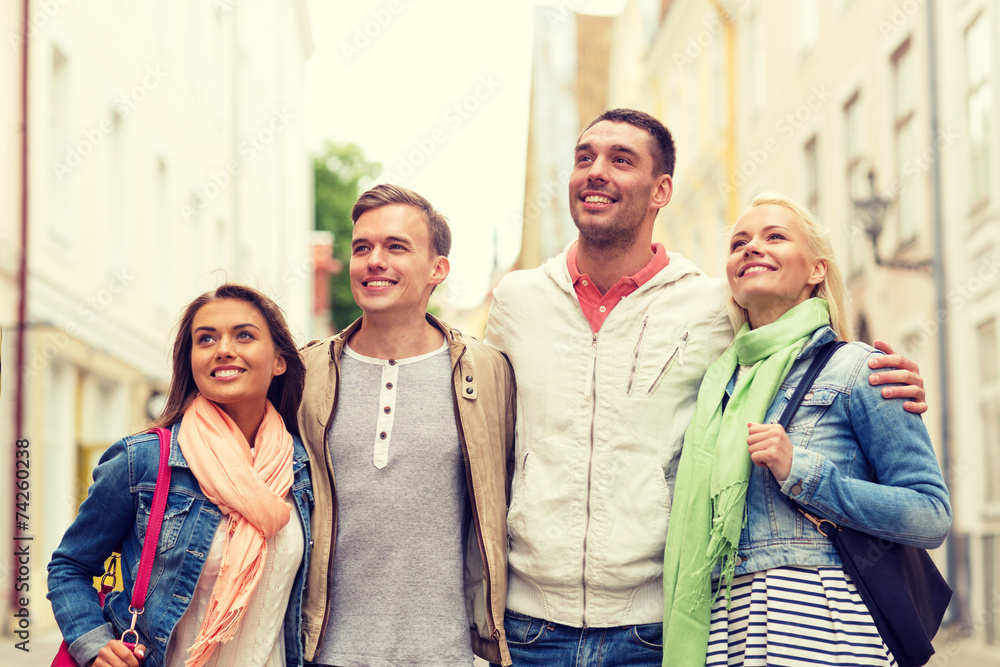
22, 288
958, 612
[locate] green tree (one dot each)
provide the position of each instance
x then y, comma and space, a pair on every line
338, 176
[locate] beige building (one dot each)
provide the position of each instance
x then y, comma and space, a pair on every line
807, 98
569, 81
165, 156
681, 71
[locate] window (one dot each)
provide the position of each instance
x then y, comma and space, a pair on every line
61, 494
119, 202
857, 181
812, 176
64, 157
163, 261
980, 108
904, 133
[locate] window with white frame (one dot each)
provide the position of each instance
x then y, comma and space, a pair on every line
65, 157
163, 262
119, 203
905, 139
979, 100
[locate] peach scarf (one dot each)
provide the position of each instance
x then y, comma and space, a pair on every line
250, 489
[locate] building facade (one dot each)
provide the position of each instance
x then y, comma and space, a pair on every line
166, 156
815, 99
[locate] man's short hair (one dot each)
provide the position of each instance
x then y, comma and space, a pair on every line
386, 195
664, 153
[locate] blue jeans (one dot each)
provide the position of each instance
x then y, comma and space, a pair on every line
534, 642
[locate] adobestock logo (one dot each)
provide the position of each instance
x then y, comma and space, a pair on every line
123, 105
42, 11
249, 148
455, 116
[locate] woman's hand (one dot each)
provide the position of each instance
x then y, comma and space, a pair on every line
116, 654
770, 448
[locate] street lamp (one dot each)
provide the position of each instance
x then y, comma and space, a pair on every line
871, 216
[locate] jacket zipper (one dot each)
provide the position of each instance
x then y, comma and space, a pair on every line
592, 393
588, 387
677, 354
635, 357
333, 496
495, 634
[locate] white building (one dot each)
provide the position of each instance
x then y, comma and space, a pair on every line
165, 157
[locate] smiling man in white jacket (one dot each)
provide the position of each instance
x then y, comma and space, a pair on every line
609, 342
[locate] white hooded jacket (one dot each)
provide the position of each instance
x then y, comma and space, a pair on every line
600, 424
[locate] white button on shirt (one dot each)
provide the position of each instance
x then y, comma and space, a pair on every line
387, 399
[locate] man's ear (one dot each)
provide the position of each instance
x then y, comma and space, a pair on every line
440, 271
662, 192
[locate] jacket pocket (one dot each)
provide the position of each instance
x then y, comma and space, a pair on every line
177, 510
635, 357
814, 404
676, 357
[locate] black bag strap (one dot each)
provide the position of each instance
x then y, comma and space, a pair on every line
824, 526
818, 362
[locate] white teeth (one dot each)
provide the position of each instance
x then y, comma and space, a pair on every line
755, 269
597, 199
228, 373
378, 283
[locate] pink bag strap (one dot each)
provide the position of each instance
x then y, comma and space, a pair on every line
152, 530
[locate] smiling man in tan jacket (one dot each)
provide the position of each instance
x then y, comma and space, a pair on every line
410, 429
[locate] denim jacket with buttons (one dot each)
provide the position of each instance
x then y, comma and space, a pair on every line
117, 511
843, 436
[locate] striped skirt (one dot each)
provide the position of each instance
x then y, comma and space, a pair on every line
794, 616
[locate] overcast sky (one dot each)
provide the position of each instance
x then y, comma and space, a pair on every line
437, 91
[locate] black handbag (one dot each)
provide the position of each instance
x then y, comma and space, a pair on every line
902, 588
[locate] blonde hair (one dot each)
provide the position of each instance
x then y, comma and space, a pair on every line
818, 247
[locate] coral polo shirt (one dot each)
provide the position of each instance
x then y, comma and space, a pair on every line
596, 307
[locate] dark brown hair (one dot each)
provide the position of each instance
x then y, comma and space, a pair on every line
385, 194
664, 152
285, 392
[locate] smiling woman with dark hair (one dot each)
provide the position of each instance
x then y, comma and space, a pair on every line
229, 569
781, 596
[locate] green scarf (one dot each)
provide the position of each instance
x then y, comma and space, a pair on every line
710, 494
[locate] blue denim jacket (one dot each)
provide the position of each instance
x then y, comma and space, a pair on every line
116, 511
844, 435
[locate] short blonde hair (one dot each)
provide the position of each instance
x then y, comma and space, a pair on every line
818, 246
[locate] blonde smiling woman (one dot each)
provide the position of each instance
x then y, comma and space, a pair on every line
746, 582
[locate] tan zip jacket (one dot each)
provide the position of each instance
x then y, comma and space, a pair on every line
483, 388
